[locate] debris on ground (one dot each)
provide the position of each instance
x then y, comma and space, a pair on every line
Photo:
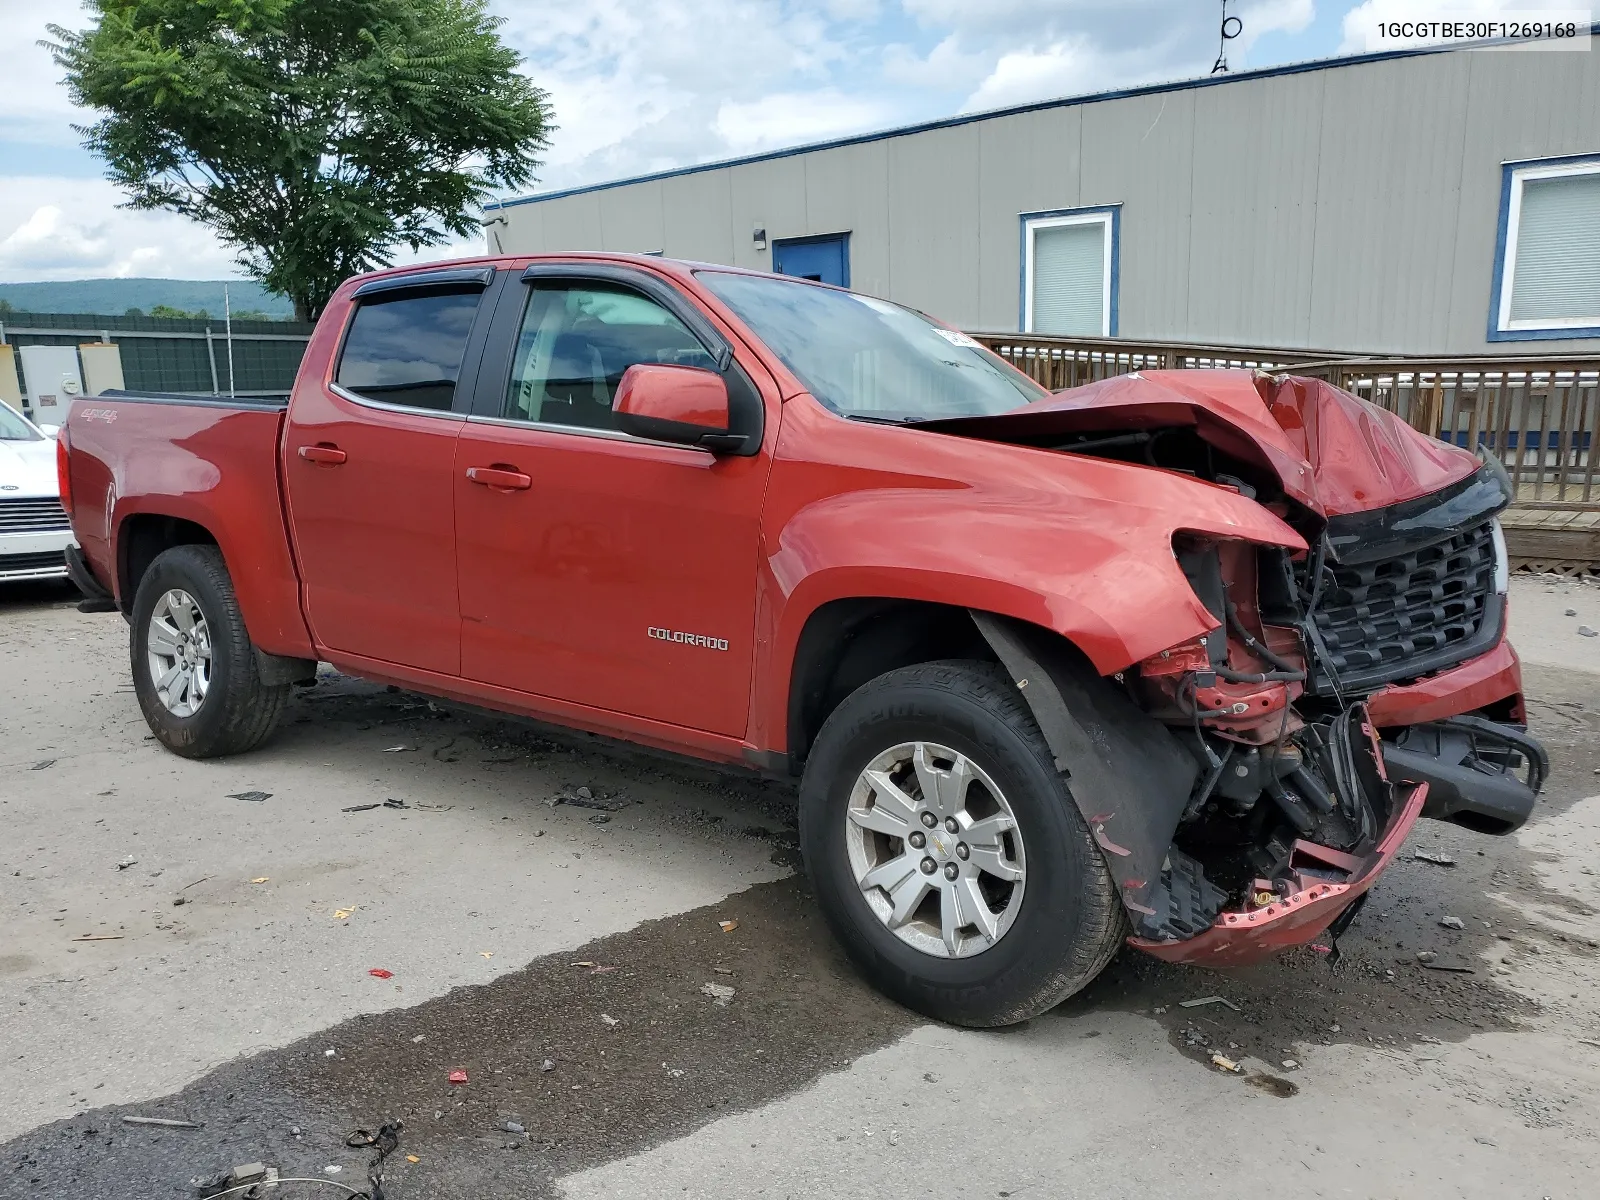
723, 970
1453, 968
1290, 1064
1439, 858
1426, 956
728, 926
586, 798
362, 807
1204, 1000
1585, 631
1572, 612
548, 1065
458, 1076
611, 1022
98, 937
512, 1127
380, 973
1452, 922
391, 802
164, 1122
43, 764
485, 953
720, 992
398, 749
130, 861
1223, 1063
253, 797
599, 819
343, 914
329, 1052
262, 879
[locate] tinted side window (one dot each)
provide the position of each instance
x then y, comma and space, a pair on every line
578, 340
408, 350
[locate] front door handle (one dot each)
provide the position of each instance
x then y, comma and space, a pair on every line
500, 477
329, 456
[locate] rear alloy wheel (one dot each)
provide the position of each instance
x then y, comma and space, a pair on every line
178, 646
194, 667
946, 852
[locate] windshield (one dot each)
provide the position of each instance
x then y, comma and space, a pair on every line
869, 359
13, 428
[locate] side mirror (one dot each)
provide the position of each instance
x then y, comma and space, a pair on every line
688, 405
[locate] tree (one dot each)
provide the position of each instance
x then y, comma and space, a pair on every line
316, 137
168, 313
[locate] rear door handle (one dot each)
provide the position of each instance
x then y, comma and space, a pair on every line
330, 456
498, 477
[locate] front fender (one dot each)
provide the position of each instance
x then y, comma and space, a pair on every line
1076, 545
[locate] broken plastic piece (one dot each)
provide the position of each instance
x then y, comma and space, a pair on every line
720, 992
361, 807
380, 973
261, 879
1438, 858
458, 1076
1223, 1063
43, 764
1204, 1000
253, 797
728, 926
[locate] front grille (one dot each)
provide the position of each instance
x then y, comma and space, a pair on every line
1405, 616
49, 560
32, 514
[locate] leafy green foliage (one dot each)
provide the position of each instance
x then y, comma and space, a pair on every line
167, 313
316, 137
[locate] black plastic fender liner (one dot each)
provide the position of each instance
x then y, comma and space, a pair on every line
1127, 773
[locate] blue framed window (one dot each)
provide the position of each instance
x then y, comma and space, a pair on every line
1547, 251
1069, 271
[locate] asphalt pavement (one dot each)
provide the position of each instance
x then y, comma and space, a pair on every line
572, 969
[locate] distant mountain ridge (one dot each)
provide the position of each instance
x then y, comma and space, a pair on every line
113, 297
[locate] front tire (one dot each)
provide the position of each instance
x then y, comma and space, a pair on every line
194, 667
942, 765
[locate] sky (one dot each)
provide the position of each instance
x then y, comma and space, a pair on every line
645, 85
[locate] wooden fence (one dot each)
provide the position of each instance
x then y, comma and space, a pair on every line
1538, 414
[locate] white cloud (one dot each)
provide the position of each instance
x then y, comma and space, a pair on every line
55, 228
786, 118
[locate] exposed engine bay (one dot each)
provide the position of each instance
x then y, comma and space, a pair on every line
1298, 798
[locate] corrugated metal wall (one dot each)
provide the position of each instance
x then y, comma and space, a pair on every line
176, 356
1351, 207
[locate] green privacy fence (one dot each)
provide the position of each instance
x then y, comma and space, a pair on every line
160, 355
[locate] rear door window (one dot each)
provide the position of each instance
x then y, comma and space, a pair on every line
408, 350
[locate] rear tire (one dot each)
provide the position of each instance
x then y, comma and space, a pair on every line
1067, 923
229, 710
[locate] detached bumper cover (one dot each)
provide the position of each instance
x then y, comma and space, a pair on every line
1481, 774
1329, 882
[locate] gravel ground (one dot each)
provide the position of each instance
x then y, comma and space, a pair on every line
559, 956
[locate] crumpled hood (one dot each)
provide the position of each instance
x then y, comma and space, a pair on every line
1331, 451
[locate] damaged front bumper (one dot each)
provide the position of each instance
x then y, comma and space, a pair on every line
1326, 882
1480, 773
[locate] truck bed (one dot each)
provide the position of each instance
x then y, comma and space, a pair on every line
140, 459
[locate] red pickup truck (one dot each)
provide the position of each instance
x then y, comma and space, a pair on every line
1175, 659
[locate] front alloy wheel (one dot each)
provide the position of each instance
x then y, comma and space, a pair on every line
935, 849
178, 650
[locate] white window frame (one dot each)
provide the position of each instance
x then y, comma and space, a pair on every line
1505, 269
1105, 217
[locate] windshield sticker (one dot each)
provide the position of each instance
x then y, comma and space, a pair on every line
956, 338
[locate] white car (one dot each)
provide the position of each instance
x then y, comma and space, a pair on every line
34, 530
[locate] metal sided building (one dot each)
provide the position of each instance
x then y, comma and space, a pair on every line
1442, 201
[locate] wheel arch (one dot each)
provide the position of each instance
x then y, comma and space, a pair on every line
141, 538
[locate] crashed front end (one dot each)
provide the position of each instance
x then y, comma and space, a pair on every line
1269, 769
1309, 772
